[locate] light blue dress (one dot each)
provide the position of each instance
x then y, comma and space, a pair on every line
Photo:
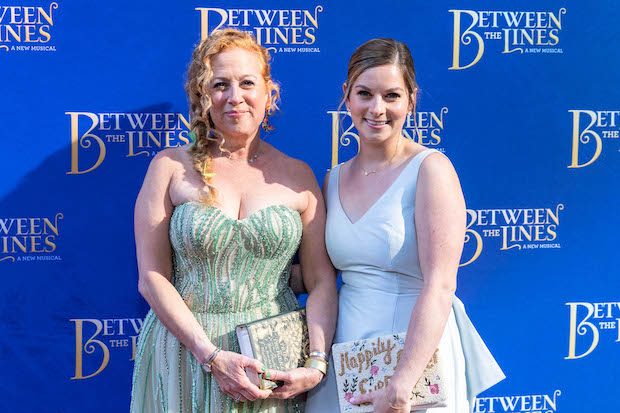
378, 257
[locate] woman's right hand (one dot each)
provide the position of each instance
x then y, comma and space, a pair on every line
228, 369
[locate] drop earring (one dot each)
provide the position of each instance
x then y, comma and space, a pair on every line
265, 125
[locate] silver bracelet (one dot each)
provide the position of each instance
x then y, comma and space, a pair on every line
207, 364
318, 354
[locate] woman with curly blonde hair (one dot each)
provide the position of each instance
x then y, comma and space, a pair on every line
216, 225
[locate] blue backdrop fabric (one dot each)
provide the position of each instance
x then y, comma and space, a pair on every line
520, 95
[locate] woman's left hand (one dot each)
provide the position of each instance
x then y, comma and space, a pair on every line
380, 402
296, 381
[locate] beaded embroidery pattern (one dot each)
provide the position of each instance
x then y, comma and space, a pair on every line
228, 272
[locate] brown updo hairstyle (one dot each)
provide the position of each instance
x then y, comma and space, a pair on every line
379, 52
198, 88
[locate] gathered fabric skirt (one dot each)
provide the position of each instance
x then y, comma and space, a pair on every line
168, 379
365, 313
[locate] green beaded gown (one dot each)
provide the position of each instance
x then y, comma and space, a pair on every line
228, 272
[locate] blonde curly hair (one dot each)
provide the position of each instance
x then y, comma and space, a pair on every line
199, 77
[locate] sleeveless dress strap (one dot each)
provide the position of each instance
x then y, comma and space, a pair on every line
416, 162
332, 185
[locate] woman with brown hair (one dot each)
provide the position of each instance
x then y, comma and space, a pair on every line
217, 223
395, 228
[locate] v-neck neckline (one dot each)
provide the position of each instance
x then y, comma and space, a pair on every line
389, 188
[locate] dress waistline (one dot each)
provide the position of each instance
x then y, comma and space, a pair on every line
387, 283
255, 307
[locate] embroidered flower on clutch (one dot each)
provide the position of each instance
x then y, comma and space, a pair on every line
374, 370
434, 388
348, 397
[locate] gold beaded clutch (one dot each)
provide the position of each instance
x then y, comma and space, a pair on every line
367, 365
280, 342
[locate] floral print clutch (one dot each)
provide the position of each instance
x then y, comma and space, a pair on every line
368, 365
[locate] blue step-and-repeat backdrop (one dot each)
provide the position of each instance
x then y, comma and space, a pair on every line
520, 95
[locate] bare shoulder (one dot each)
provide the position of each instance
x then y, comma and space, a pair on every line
174, 156
169, 160
438, 183
296, 171
437, 167
163, 167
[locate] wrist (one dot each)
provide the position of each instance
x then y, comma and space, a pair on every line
319, 354
317, 363
205, 353
202, 350
398, 393
207, 365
